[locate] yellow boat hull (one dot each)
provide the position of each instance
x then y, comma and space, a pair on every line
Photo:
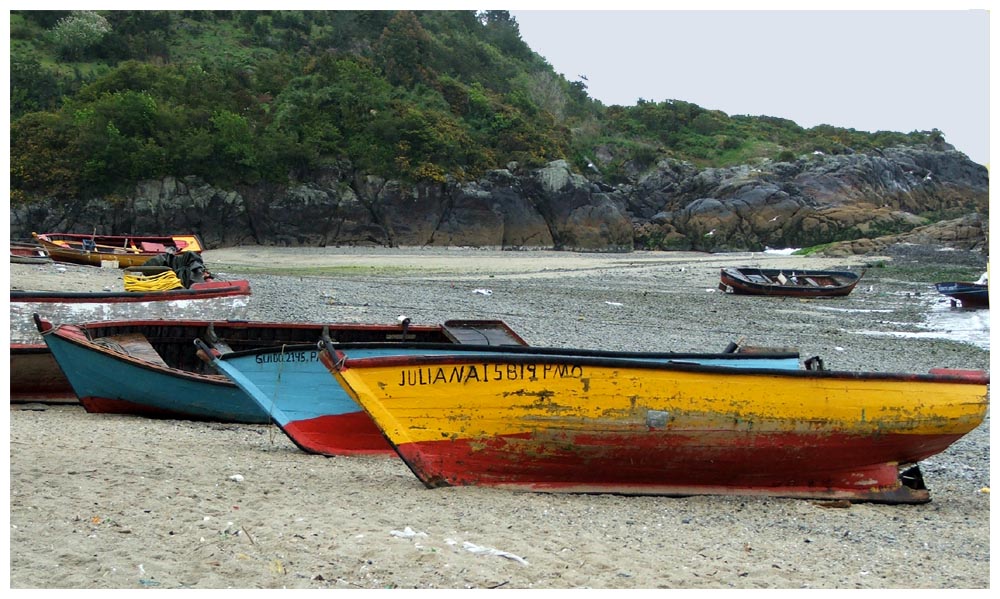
590, 425
124, 251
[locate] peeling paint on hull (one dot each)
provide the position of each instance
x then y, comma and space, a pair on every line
676, 464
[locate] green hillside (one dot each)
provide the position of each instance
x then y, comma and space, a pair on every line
101, 100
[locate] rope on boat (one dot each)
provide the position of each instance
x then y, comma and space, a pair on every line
164, 281
110, 344
274, 396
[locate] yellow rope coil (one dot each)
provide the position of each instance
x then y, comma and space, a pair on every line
165, 281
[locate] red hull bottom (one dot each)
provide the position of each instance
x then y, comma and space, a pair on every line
859, 468
345, 434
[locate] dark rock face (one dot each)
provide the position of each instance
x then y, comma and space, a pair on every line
815, 200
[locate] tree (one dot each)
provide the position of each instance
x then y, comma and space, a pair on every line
402, 50
32, 87
78, 32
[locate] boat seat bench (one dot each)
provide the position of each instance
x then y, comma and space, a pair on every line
480, 334
133, 344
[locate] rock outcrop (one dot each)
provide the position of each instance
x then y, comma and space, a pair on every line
968, 233
814, 200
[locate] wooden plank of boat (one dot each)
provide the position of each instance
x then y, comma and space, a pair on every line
150, 367
575, 423
969, 295
788, 283
124, 250
320, 417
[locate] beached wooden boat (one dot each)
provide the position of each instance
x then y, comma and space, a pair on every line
320, 417
35, 377
151, 367
209, 300
788, 283
969, 295
576, 423
28, 253
123, 250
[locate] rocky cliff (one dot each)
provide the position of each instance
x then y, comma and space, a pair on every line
814, 200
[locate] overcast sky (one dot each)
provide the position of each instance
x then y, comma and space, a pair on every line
890, 70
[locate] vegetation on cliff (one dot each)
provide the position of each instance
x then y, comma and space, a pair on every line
103, 99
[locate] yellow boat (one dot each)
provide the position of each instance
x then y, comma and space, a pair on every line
125, 250
585, 423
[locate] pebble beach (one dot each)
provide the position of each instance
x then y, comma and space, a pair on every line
102, 501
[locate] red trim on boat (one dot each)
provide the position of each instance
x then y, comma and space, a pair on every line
977, 376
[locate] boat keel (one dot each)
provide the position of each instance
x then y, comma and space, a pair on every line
909, 489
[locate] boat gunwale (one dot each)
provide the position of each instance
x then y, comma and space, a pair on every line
52, 238
343, 362
807, 271
236, 324
562, 351
21, 295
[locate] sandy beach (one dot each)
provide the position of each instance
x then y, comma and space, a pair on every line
119, 502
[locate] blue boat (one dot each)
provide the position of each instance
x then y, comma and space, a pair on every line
318, 416
969, 295
151, 367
